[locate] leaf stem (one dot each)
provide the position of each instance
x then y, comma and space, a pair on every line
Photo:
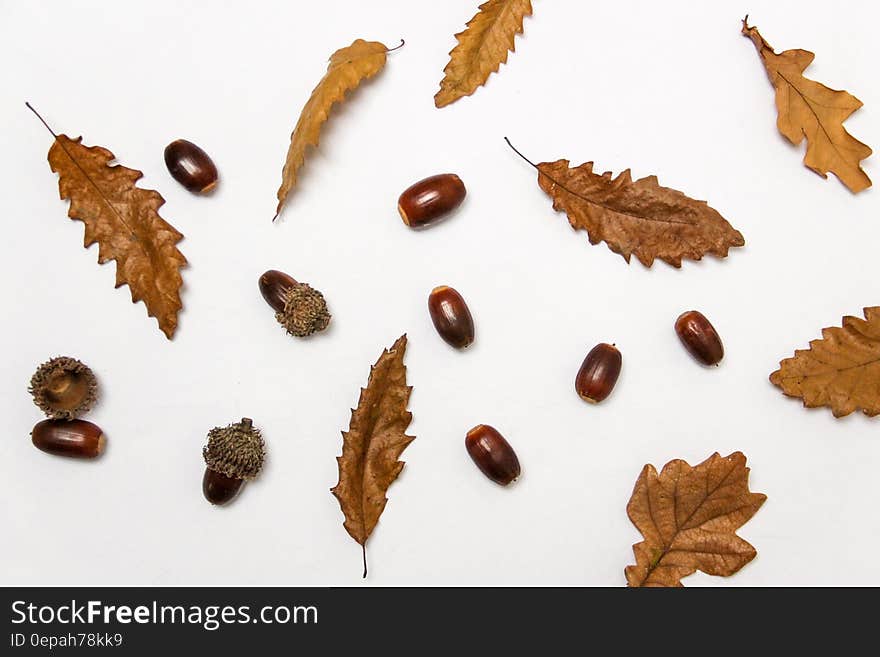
364, 550
42, 120
514, 149
402, 44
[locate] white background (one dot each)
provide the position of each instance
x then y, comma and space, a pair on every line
667, 88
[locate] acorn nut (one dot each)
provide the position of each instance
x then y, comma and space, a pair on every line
492, 454
451, 316
234, 454
299, 308
74, 438
64, 388
598, 373
699, 337
430, 199
190, 166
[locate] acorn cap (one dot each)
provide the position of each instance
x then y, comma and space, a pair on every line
236, 451
64, 388
305, 311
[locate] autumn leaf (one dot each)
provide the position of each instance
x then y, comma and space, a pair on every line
809, 109
689, 517
124, 221
639, 217
482, 48
348, 67
842, 370
374, 441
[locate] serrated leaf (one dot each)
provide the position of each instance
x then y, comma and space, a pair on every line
482, 48
372, 445
689, 517
841, 371
639, 217
348, 67
809, 109
124, 221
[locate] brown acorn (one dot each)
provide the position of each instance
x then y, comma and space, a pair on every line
492, 454
64, 388
598, 373
451, 316
233, 455
299, 308
430, 199
75, 438
699, 337
191, 166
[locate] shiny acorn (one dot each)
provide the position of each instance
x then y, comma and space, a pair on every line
233, 455
451, 316
74, 438
430, 199
598, 373
492, 454
190, 166
299, 308
699, 337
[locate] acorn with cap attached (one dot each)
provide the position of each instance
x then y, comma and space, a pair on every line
233, 454
298, 307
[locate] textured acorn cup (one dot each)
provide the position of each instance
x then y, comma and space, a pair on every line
451, 316
430, 199
64, 388
234, 454
699, 337
191, 166
492, 454
74, 438
299, 308
598, 373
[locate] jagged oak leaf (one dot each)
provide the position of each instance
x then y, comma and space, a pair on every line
124, 221
372, 445
348, 67
638, 217
482, 48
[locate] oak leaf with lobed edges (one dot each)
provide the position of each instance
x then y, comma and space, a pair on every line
689, 517
809, 109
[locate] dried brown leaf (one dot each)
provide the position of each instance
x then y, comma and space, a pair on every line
348, 67
372, 445
809, 109
482, 48
124, 221
842, 370
639, 217
689, 517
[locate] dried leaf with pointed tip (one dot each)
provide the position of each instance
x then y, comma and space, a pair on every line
809, 109
482, 48
689, 517
374, 441
124, 220
842, 370
639, 217
348, 67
